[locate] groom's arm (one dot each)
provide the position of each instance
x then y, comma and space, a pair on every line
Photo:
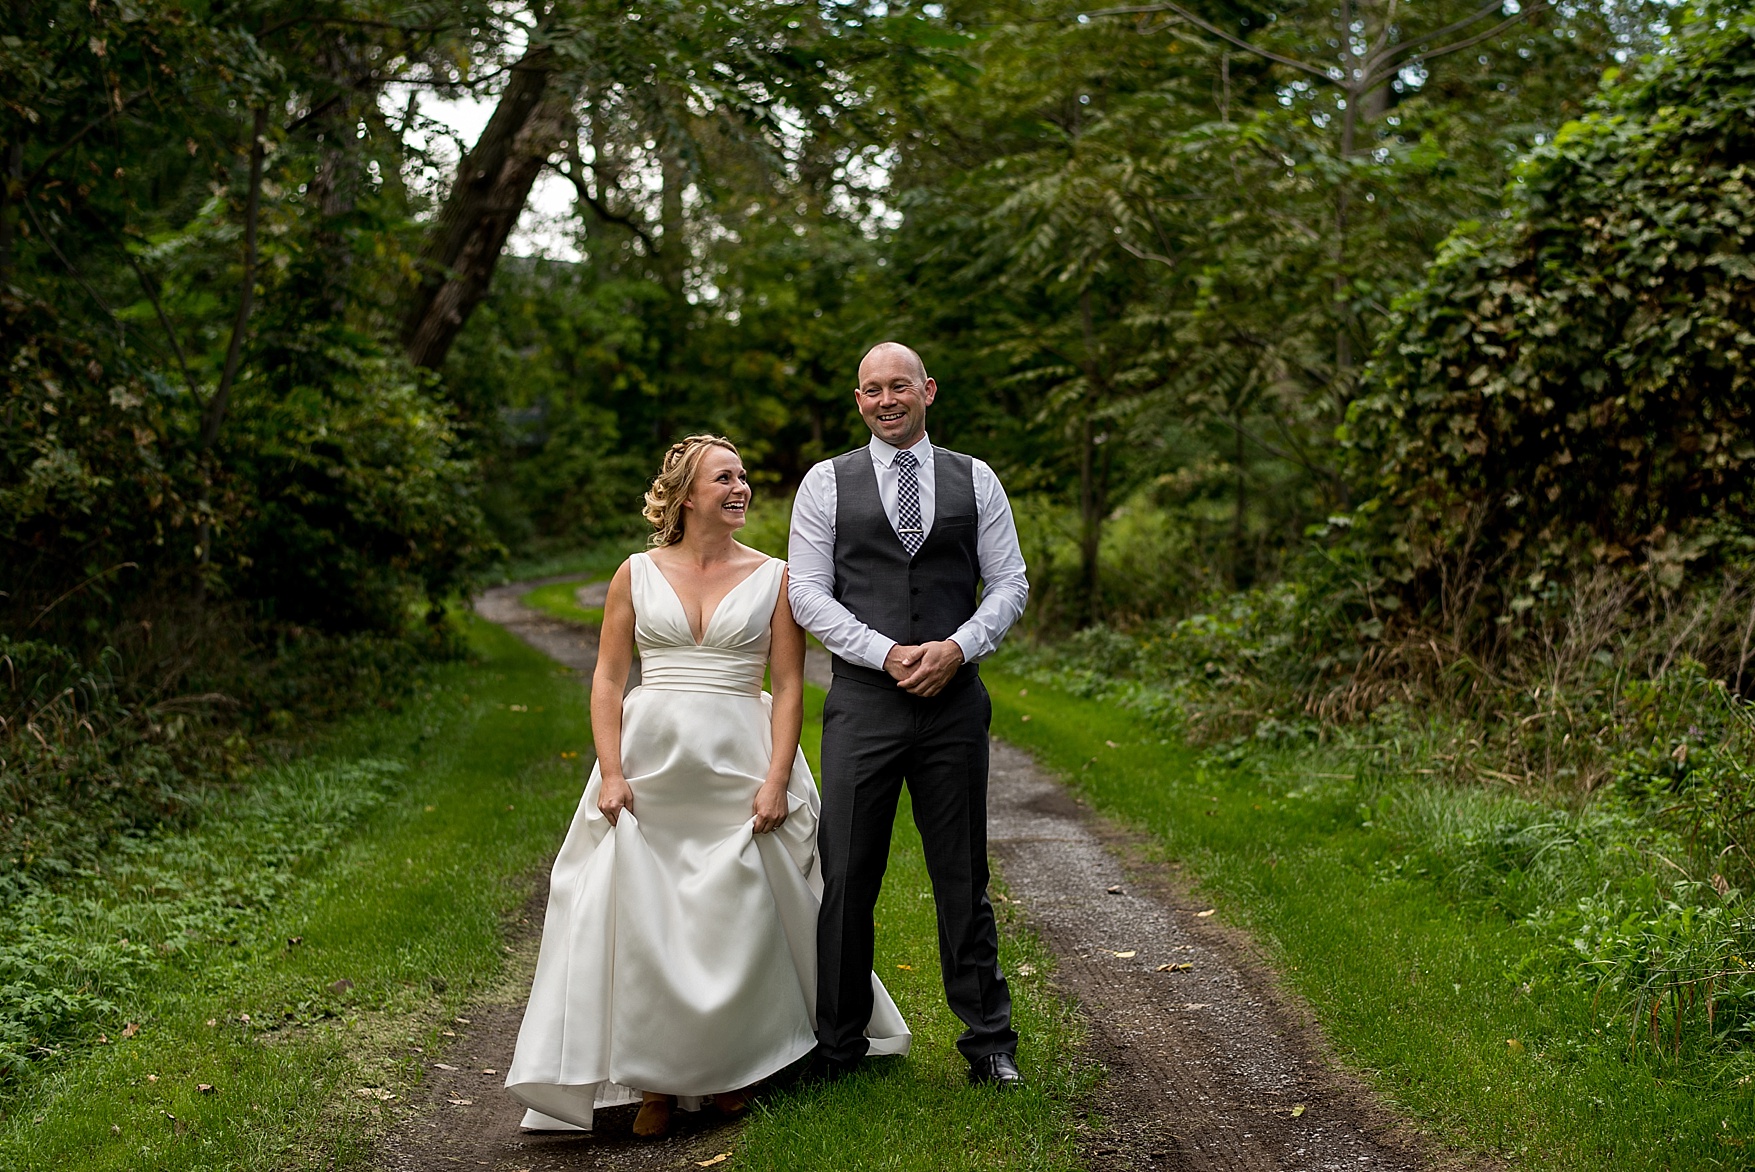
811, 556
1005, 586
1004, 591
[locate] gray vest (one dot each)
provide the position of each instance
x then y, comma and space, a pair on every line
912, 600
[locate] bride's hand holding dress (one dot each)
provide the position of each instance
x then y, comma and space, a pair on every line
679, 945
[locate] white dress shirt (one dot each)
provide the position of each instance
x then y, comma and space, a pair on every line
812, 560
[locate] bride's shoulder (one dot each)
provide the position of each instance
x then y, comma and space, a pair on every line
755, 558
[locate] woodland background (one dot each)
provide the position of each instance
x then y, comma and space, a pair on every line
1364, 372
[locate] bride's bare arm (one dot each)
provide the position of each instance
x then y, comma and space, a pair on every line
615, 655
786, 680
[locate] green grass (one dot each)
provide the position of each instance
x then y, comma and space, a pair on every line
1421, 991
585, 563
393, 856
560, 600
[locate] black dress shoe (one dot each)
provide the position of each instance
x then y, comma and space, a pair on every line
823, 1069
996, 1070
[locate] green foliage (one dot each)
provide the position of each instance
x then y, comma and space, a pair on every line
75, 958
1571, 384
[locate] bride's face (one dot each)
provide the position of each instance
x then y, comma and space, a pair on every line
721, 492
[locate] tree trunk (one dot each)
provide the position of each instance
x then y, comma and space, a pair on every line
222, 394
493, 184
1242, 574
11, 195
1093, 482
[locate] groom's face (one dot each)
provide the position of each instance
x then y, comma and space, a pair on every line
893, 396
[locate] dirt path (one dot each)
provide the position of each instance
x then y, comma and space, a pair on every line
1210, 1069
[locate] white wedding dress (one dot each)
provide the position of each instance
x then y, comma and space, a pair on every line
679, 949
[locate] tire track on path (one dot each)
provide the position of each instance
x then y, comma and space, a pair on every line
1212, 1068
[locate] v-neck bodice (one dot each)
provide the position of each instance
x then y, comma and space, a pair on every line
733, 652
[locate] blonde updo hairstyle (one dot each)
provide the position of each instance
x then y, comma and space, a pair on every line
671, 487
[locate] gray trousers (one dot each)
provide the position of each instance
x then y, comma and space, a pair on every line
874, 739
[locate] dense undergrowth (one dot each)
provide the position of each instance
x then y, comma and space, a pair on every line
1603, 808
132, 823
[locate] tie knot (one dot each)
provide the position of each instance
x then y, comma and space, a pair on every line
905, 460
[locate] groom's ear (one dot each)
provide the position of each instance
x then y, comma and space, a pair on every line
931, 390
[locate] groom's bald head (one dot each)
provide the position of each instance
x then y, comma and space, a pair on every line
894, 393
886, 353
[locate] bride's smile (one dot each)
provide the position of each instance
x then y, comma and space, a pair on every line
721, 488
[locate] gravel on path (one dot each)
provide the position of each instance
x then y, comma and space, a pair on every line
1211, 1064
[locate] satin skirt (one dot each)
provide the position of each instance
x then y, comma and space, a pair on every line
679, 947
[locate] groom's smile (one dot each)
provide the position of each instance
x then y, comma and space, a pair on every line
894, 393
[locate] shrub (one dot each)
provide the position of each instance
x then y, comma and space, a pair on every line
1572, 385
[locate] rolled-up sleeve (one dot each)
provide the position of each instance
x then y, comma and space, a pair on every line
811, 554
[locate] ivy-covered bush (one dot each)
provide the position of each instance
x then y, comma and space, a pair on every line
1575, 383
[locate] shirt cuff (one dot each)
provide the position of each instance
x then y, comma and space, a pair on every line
877, 650
968, 637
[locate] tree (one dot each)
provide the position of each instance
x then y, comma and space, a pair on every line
1570, 385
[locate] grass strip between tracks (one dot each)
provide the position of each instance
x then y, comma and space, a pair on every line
309, 1010
1421, 992
560, 600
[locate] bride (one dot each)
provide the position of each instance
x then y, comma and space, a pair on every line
678, 957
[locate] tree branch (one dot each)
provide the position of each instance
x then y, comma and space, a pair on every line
576, 175
1215, 30
159, 309
1454, 47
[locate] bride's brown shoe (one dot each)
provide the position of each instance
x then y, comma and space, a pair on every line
734, 1102
653, 1121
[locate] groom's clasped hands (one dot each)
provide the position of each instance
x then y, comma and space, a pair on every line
924, 669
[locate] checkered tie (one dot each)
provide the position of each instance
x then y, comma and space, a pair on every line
908, 526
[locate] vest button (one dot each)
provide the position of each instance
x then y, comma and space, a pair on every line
916, 618
916, 590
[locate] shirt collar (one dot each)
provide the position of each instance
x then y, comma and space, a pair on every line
885, 455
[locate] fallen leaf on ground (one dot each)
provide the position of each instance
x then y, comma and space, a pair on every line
719, 1159
294, 941
152, 1078
1176, 968
1129, 954
906, 967
205, 1088
213, 1021
378, 1093
1024, 717
461, 1102
1205, 914
1515, 1046
1298, 1110
244, 1017
1026, 969
1115, 890
103, 1039
443, 1066
342, 986
461, 1020
490, 1072
129, 1030
1112, 744
447, 1033
1192, 1005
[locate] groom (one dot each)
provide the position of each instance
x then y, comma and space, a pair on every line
892, 546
